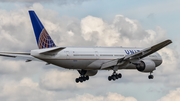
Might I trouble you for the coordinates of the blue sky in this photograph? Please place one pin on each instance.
(159, 18)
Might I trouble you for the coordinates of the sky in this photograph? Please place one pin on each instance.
(109, 23)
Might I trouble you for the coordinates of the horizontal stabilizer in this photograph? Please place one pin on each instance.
(20, 55)
(5, 55)
(53, 50)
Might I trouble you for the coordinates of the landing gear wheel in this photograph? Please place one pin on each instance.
(77, 80)
(150, 76)
(114, 76)
(84, 78)
(87, 77)
(81, 80)
(119, 75)
(109, 78)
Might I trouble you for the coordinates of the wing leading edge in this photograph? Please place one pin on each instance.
(139, 55)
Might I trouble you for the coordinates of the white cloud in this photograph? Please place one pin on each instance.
(28, 90)
(95, 29)
(70, 33)
(108, 97)
(170, 60)
(55, 79)
(19, 91)
(121, 32)
(172, 96)
(8, 66)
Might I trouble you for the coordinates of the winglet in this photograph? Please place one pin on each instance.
(42, 37)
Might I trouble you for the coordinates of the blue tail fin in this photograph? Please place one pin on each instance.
(42, 37)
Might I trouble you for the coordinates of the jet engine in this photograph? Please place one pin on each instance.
(91, 72)
(146, 66)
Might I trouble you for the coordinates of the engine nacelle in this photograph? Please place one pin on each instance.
(91, 72)
(146, 66)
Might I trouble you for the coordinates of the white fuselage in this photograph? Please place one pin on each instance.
(90, 58)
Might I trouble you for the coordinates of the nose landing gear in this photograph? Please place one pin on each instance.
(150, 76)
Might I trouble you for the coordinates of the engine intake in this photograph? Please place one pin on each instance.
(146, 66)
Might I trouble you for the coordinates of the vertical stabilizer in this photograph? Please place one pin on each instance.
(42, 37)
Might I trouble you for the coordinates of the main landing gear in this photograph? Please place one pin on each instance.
(150, 76)
(82, 77)
(114, 76)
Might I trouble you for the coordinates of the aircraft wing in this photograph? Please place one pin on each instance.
(139, 55)
(20, 55)
(27, 55)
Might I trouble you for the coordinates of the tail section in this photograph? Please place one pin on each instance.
(42, 37)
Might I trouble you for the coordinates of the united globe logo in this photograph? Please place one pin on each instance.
(45, 40)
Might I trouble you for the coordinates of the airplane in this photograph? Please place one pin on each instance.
(89, 60)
